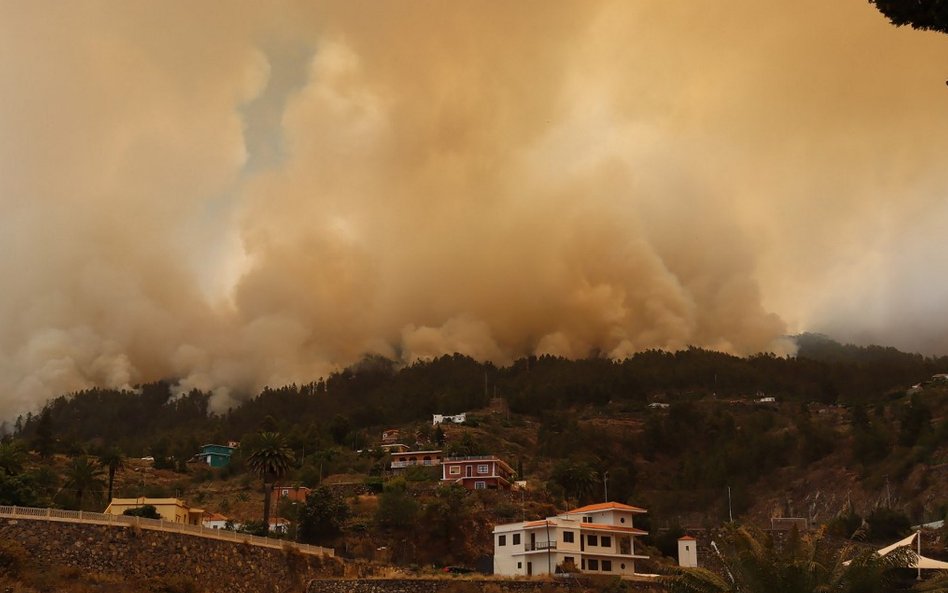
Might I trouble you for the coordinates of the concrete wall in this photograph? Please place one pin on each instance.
(216, 566)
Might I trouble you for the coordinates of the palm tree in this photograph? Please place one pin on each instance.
(112, 459)
(803, 564)
(83, 476)
(270, 460)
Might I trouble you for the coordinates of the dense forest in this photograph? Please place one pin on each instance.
(377, 392)
(683, 433)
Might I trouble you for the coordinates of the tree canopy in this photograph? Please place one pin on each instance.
(270, 460)
(927, 15)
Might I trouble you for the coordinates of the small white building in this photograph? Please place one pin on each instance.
(456, 419)
(594, 539)
(687, 551)
(215, 521)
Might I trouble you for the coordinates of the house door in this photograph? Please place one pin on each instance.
(533, 541)
(529, 568)
(469, 471)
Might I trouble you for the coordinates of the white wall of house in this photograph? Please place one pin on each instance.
(600, 544)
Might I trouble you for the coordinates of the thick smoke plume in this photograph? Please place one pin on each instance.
(242, 195)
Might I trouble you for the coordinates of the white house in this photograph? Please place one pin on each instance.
(594, 539)
(457, 418)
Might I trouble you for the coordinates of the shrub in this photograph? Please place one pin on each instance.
(13, 558)
(173, 584)
(886, 523)
(148, 512)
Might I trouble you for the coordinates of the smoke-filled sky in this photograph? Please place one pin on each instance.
(237, 194)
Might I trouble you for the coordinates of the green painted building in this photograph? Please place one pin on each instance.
(215, 455)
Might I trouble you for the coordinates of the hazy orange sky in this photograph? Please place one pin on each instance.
(235, 195)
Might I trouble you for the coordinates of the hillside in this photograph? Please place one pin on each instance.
(843, 435)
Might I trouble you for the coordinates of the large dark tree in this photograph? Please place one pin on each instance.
(322, 517)
(45, 438)
(270, 460)
(113, 460)
(929, 15)
(83, 475)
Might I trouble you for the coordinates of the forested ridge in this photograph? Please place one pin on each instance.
(840, 413)
(376, 392)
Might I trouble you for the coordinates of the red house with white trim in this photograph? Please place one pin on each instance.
(481, 472)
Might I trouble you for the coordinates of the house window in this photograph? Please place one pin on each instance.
(483, 468)
(583, 564)
(516, 539)
(623, 566)
(592, 540)
(480, 485)
(567, 537)
(686, 548)
(520, 565)
(427, 460)
(621, 519)
(501, 540)
(587, 519)
(607, 566)
(605, 541)
(285, 492)
(455, 469)
(592, 564)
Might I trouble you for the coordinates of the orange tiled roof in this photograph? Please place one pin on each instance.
(539, 523)
(607, 506)
(686, 538)
(604, 527)
(214, 517)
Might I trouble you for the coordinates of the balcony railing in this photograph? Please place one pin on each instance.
(534, 546)
(423, 463)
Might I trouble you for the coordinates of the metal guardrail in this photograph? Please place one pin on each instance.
(90, 518)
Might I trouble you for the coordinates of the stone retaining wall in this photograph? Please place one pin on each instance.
(215, 566)
(456, 586)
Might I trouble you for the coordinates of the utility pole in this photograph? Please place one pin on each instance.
(605, 486)
(918, 557)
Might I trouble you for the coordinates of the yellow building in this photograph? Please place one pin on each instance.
(170, 509)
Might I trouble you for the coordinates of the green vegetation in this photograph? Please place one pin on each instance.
(919, 14)
(269, 460)
(322, 517)
(752, 562)
(146, 512)
(83, 476)
(842, 422)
